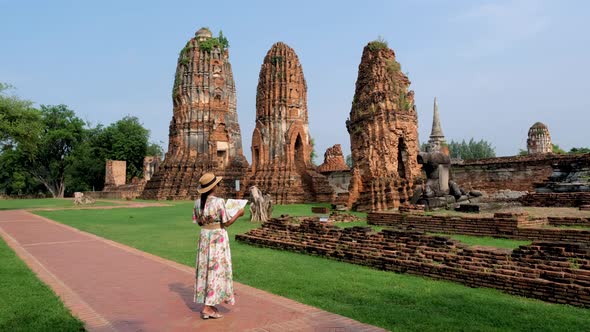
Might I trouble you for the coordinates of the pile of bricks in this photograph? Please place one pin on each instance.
(502, 225)
(552, 271)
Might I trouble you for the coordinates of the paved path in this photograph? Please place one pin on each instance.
(112, 287)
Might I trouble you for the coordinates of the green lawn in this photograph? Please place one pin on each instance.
(393, 301)
(486, 241)
(14, 204)
(27, 304)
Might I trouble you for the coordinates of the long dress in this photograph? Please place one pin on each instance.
(214, 281)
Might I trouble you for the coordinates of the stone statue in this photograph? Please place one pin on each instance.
(261, 206)
(438, 190)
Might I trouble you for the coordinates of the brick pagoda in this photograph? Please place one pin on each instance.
(383, 132)
(204, 131)
(281, 143)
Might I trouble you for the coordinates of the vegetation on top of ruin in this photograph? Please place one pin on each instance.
(377, 44)
(219, 42)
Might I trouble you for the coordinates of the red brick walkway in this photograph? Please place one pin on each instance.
(112, 287)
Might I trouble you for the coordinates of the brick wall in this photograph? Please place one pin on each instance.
(503, 225)
(574, 199)
(551, 271)
(518, 173)
(569, 221)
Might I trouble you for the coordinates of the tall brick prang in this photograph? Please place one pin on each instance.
(281, 143)
(204, 131)
(383, 131)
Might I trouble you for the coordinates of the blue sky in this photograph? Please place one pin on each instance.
(496, 67)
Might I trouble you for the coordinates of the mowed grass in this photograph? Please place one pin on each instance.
(396, 302)
(27, 304)
(487, 241)
(60, 203)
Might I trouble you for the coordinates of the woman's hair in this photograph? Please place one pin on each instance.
(204, 197)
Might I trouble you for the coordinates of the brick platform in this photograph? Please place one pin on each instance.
(112, 287)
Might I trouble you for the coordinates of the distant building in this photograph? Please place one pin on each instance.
(539, 140)
(437, 138)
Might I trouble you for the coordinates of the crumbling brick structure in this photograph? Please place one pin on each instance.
(204, 131)
(338, 173)
(501, 225)
(383, 132)
(551, 271)
(281, 143)
(539, 139)
(538, 172)
(115, 173)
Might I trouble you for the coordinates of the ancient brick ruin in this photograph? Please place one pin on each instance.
(204, 130)
(383, 132)
(115, 173)
(281, 143)
(502, 225)
(539, 140)
(551, 271)
(524, 173)
(333, 160)
(338, 173)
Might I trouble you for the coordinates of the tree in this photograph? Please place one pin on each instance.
(127, 140)
(471, 150)
(579, 150)
(349, 161)
(50, 155)
(556, 149)
(20, 123)
(312, 154)
(86, 172)
(154, 149)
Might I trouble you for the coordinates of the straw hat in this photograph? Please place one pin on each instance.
(207, 182)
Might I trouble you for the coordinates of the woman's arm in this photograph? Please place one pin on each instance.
(232, 220)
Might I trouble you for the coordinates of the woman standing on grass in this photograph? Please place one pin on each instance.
(214, 281)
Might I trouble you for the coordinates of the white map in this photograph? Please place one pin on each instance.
(232, 206)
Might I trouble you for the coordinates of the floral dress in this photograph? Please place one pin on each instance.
(214, 281)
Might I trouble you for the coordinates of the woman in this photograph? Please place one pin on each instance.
(214, 282)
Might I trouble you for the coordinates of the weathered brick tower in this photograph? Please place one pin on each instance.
(281, 144)
(204, 131)
(383, 132)
(539, 139)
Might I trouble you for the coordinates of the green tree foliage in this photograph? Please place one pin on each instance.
(312, 154)
(579, 150)
(127, 140)
(155, 149)
(19, 121)
(47, 160)
(349, 161)
(471, 150)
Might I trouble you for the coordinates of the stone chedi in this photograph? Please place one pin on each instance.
(437, 138)
(539, 140)
(281, 143)
(204, 131)
(383, 132)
